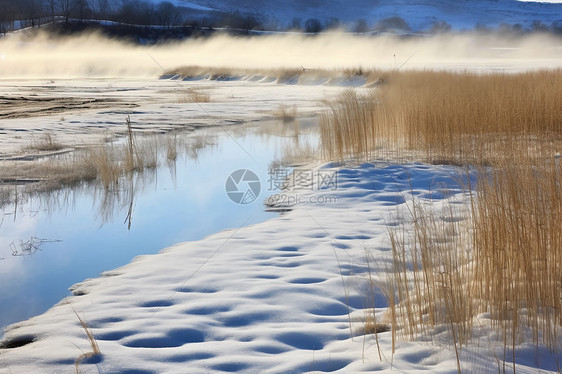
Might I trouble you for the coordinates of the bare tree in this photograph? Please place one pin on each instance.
(82, 9)
(296, 24)
(439, 27)
(167, 14)
(52, 5)
(66, 8)
(539, 26)
(333, 23)
(313, 25)
(32, 10)
(393, 24)
(555, 27)
(7, 16)
(99, 8)
(137, 12)
(104, 8)
(144, 12)
(250, 22)
(361, 26)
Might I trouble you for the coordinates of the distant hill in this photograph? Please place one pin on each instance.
(419, 14)
(397, 16)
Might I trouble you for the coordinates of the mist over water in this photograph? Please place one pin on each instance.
(93, 56)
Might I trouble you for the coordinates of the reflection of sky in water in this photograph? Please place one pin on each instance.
(167, 210)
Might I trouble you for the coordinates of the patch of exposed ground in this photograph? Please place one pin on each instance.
(34, 105)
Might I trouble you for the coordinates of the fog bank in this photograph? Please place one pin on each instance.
(92, 56)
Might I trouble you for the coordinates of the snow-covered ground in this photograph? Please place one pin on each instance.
(273, 297)
(155, 106)
(283, 296)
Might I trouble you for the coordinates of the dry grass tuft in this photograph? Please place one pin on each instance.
(347, 127)
(46, 144)
(298, 153)
(6, 195)
(93, 343)
(103, 162)
(372, 327)
(108, 165)
(194, 95)
(287, 113)
(172, 148)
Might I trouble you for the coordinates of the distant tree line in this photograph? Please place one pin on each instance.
(15, 14)
(399, 25)
(32, 13)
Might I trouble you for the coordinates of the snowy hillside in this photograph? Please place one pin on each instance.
(418, 13)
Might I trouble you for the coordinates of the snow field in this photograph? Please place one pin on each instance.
(273, 297)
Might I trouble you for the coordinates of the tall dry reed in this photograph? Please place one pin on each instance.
(510, 264)
(427, 278)
(458, 117)
(517, 249)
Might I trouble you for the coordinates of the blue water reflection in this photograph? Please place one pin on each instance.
(177, 202)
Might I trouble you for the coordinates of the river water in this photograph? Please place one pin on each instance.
(51, 241)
